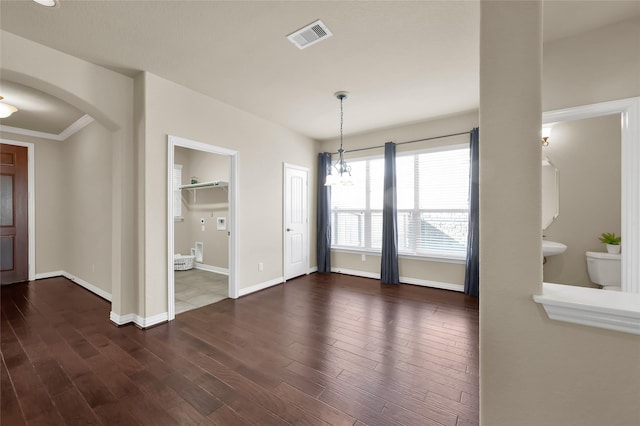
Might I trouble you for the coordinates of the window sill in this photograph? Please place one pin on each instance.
(592, 307)
(432, 258)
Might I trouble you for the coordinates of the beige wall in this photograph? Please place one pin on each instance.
(422, 270)
(50, 225)
(209, 204)
(535, 371)
(73, 204)
(108, 97)
(262, 148)
(601, 65)
(587, 153)
(86, 160)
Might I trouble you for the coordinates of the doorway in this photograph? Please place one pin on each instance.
(201, 217)
(17, 218)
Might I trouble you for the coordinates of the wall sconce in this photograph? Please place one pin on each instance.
(546, 133)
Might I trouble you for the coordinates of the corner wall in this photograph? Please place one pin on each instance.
(535, 371)
(262, 148)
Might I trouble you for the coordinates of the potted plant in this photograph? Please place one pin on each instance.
(612, 242)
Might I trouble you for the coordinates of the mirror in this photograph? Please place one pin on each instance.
(550, 193)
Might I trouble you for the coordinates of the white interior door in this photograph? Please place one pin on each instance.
(296, 221)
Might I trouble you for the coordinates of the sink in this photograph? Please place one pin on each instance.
(552, 248)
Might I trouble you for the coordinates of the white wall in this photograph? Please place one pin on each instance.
(421, 270)
(262, 148)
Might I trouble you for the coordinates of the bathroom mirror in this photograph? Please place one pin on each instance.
(550, 193)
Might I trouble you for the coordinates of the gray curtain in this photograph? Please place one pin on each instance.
(323, 237)
(389, 273)
(472, 272)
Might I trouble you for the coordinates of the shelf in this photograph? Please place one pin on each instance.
(203, 185)
(193, 187)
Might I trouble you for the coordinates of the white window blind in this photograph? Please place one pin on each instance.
(177, 192)
(432, 201)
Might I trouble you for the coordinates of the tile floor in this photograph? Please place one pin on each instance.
(195, 288)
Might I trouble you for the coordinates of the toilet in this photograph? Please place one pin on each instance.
(605, 269)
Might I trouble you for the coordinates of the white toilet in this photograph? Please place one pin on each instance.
(605, 269)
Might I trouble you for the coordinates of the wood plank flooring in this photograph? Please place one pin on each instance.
(318, 350)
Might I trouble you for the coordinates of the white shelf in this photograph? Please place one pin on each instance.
(202, 185)
(193, 187)
(611, 310)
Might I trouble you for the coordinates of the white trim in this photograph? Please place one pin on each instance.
(374, 275)
(611, 310)
(312, 270)
(427, 258)
(629, 109)
(82, 283)
(261, 286)
(432, 284)
(172, 142)
(75, 127)
(403, 280)
(211, 268)
(52, 274)
(31, 202)
(138, 320)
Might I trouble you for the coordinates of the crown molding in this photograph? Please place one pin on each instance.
(75, 127)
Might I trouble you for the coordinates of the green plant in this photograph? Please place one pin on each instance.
(610, 238)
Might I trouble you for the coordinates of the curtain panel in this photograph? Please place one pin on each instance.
(323, 214)
(472, 270)
(389, 273)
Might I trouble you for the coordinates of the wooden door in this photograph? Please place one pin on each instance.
(14, 198)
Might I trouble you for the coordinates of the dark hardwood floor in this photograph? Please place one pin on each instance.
(321, 349)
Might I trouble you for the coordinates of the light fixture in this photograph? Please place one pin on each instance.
(546, 133)
(47, 3)
(5, 109)
(343, 176)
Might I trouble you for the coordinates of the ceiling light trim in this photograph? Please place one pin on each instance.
(310, 35)
(75, 127)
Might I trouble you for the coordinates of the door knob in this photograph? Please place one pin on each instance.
(289, 229)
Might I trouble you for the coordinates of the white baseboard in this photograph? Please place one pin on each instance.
(211, 268)
(138, 320)
(92, 288)
(261, 286)
(432, 284)
(374, 275)
(403, 280)
(52, 274)
(312, 270)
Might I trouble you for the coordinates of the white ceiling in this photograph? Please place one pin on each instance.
(402, 61)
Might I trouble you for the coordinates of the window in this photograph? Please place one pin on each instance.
(177, 192)
(433, 204)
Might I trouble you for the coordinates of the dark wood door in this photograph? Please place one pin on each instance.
(14, 232)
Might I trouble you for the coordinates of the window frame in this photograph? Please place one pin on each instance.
(368, 212)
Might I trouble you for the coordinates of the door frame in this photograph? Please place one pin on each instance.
(31, 203)
(176, 141)
(286, 166)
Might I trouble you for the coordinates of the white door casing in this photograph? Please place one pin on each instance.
(296, 221)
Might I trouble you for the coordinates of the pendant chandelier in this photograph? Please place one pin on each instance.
(343, 170)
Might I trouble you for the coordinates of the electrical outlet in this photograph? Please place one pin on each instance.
(364, 257)
(260, 266)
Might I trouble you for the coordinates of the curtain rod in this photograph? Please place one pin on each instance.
(403, 143)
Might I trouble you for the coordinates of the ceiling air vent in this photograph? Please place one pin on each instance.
(310, 34)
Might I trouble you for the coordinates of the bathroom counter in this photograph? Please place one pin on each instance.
(612, 310)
